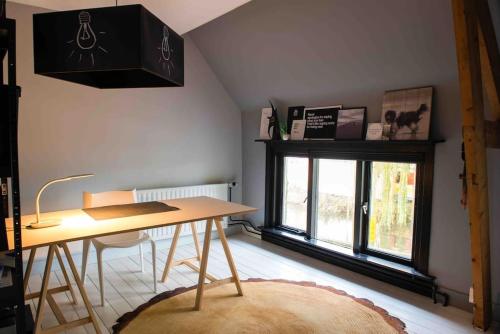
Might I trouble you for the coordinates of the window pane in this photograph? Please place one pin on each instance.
(335, 201)
(392, 206)
(295, 192)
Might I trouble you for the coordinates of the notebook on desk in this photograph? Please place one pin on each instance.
(128, 210)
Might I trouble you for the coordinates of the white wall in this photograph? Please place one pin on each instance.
(127, 137)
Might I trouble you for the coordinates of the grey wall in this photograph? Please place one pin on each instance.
(326, 52)
(128, 138)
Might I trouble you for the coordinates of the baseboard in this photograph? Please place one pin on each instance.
(461, 300)
(457, 299)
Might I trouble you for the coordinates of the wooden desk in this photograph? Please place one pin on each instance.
(77, 225)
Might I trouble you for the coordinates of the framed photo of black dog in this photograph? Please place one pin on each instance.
(406, 113)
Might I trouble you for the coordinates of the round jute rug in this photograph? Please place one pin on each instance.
(268, 306)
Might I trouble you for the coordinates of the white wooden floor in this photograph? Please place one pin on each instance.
(127, 288)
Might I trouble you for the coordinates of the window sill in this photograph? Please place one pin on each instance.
(391, 272)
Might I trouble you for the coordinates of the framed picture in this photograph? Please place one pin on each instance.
(298, 129)
(266, 124)
(321, 122)
(294, 114)
(351, 123)
(406, 113)
(374, 131)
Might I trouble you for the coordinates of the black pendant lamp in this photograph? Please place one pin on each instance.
(110, 47)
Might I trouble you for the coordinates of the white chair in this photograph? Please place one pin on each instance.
(123, 240)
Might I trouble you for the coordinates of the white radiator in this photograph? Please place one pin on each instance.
(218, 191)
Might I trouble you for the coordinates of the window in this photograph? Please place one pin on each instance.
(367, 206)
(295, 187)
(362, 205)
(335, 201)
(392, 203)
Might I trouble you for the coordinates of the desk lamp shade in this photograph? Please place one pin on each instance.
(110, 47)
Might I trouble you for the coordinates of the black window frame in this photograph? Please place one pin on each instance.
(279, 194)
(363, 192)
(365, 223)
(364, 152)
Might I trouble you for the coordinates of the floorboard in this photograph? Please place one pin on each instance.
(126, 287)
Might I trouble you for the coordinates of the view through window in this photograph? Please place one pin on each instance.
(295, 192)
(336, 191)
(392, 202)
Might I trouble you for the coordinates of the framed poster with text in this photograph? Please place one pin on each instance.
(321, 122)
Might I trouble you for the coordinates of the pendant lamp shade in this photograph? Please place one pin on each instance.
(110, 47)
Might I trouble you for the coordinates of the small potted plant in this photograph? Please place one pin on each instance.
(283, 132)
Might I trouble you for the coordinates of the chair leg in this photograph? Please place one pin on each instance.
(153, 252)
(141, 255)
(99, 270)
(195, 240)
(171, 252)
(85, 255)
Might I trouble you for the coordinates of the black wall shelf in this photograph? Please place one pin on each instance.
(415, 150)
(365, 143)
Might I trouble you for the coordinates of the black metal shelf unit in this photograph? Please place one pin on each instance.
(13, 296)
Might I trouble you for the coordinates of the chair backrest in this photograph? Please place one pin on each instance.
(91, 200)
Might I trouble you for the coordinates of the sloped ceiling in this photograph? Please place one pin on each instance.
(180, 15)
(335, 51)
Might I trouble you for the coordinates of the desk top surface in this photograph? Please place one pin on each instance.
(77, 225)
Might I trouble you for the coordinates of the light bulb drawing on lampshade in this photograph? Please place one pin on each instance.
(165, 46)
(86, 40)
(166, 51)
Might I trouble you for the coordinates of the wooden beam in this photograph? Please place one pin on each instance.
(490, 57)
(471, 98)
(488, 80)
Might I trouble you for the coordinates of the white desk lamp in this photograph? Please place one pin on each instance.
(51, 222)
